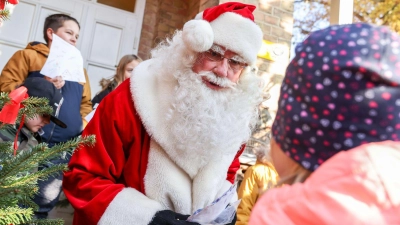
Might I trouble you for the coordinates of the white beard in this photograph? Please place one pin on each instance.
(208, 124)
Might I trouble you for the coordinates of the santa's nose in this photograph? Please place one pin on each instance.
(221, 68)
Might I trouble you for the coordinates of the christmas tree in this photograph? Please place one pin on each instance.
(4, 13)
(18, 170)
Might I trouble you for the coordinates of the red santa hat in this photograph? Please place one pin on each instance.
(230, 25)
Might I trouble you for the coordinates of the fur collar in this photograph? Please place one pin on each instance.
(152, 93)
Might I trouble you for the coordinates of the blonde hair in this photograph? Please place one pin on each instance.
(119, 77)
(263, 156)
(299, 176)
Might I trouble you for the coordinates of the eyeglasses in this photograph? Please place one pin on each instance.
(217, 57)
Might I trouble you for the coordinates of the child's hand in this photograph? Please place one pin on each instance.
(57, 81)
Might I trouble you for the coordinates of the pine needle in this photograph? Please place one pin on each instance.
(34, 106)
(4, 15)
(40, 154)
(47, 222)
(4, 98)
(15, 215)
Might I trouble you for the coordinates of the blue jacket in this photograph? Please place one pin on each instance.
(76, 105)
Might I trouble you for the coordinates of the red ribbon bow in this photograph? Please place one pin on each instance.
(3, 3)
(9, 113)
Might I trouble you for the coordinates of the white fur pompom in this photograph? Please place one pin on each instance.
(198, 35)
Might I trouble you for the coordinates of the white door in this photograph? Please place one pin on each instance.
(106, 33)
(26, 24)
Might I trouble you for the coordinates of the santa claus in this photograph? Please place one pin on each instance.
(168, 139)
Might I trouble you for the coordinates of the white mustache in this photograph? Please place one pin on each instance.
(220, 81)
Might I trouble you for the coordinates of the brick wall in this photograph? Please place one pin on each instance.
(149, 28)
(193, 9)
(204, 4)
(199, 6)
(275, 18)
(163, 17)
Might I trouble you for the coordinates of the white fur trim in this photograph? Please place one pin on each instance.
(130, 207)
(166, 182)
(176, 183)
(198, 35)
(174, 189)
(210, 180)
(238, 34)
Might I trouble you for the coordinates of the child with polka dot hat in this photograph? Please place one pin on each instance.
(336, 134)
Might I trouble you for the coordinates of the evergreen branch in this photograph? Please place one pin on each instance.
(35, 101)
(40, 154)
(34, 106)
(33, 177)
(75, 143)
(6, 151)
(8, 202)
(4, 15)
(12, 195)
(23, 162)
(4, 98)
(15, 215)
(27, 202)
(22, 197)
(41, 174)
(46, 222)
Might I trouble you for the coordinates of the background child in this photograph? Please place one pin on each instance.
(337, 130)
(257, 179)
(28, 136)
(124, 70)
(28, 63)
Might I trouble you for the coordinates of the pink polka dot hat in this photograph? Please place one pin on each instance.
(340, 91)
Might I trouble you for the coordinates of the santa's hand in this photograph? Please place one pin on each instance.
(168, 217)
(58, 81)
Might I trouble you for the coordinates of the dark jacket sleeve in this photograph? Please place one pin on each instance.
(97, 99)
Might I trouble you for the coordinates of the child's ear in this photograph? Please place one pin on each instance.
(49, 33)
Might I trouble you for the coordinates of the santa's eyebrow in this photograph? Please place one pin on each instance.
(238, 59)
(217, 49)
(220, 50)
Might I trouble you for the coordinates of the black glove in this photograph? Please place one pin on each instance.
(168, 217)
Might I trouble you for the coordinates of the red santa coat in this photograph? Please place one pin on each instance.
(106, 183)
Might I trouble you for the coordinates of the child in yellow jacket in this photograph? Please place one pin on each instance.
(257, 179)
